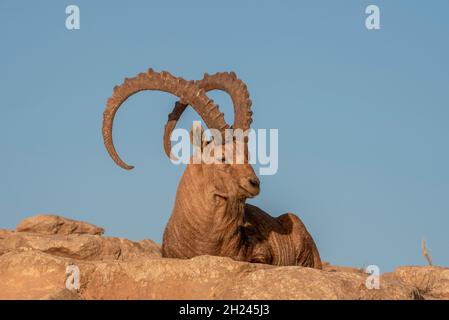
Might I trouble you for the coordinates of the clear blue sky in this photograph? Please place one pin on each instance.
(362, 115)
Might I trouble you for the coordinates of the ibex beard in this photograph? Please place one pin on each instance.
(210, 214)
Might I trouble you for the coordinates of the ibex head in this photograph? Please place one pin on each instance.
(227, 169)
(231, 178)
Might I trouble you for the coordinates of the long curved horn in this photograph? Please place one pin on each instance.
(224, 81)
(188, 92)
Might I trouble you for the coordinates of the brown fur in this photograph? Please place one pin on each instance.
(210, 217)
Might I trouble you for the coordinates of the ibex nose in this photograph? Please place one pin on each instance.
(255, 182)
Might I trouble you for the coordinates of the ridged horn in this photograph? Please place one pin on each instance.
(187, 91)
(224, 81)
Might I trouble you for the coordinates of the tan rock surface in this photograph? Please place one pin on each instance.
(53, 224)
(431, 281)
(306, 283)
(81, 247)
(34, 266)
(333, 268)
(37, 275)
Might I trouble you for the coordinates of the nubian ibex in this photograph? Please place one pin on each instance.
(210, 216)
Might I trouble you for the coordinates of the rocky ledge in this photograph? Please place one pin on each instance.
(38, 258)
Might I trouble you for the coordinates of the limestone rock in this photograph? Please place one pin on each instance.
(5, 232)
(80, 247)
(34, 261)
(332, 268)
(37, 275)
(198, 278)
(30, 275)
(431, 281)
(305, 283)
(53, 224)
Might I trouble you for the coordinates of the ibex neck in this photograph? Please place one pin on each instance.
(204, 223)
